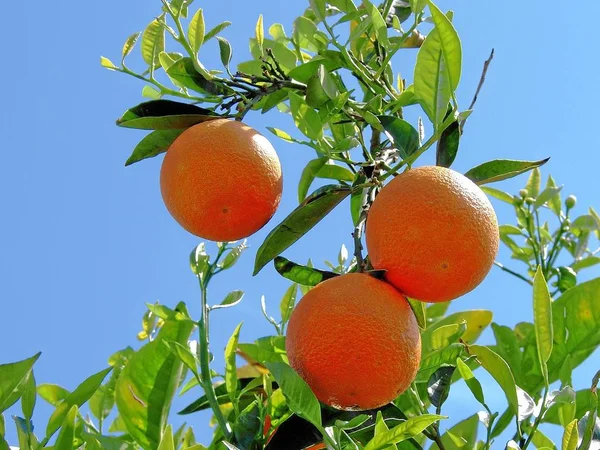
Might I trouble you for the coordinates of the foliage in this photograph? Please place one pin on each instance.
(333, 74)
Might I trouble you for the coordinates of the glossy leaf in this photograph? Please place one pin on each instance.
(450, 45)
(306, 119)
(299, 222)
(306, 276)
(148, 382)
(308, 176)
(129, 45)
(378, 22)
(433, 360)
(438, 386)
(501, 169)
(78, 397)
(152, 145)
(164, 115)
(542, 314)
(406, 430)
(300, 398)
(230, 365)
(247, 426)
(476, 320)
(233, 256)
(500, 371)
(402, 134)
(186, 73)
(231, 299)
(447, 146)
(13, 379)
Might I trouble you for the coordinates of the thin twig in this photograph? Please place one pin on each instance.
(486, 65)
(518, 275)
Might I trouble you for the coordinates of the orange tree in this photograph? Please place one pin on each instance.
(334, 75)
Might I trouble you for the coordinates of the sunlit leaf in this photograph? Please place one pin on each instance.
(13, 379)
(542, 319)
(501, 169)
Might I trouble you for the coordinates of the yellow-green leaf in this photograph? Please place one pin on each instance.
(196, 31)
(570, 436)
(542, 311)
(230, 365)
(260, 33)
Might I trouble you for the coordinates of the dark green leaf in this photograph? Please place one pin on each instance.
(403, 135)
(299, 222)
(567, 278)
(447, 146)
(147, 385)
(306, 276)
(501, 169)
(247, 426)
(164, 115)
(13, 379)
(300, 398)
(153, 145)
(438, 386)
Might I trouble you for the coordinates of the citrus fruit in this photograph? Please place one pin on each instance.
(434, 231)
(221, 180)
(355, 341)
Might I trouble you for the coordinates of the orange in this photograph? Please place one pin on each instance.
(434, 231)
(355, 341)
(221, 180)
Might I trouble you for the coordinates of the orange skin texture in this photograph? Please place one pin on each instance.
(355, 341)
(221, 180)
(434, 231)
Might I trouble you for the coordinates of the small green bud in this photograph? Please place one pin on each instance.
(523, 193)
(530, 200)
(566, 228)
(566, 222)
(570, 201)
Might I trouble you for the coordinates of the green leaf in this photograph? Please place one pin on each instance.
(231, 299)
(247, 426)
(300, 398)
(585, 263)
(260, 33)
(308, 176)
(447, 146)
(129, 45)
(461, 436)
(186, 73)
(472, 383)
(497, 193)
(153, 145)
(64, 441)
(148, 382)
(225, 51)
(107, 63)
(570, 436)
(306, 119)
(402, 134)
(450, 45)
(501, 169)
(547, 196)
(299, 222)
(438, 386)
(443, 336)
(78, 397)
(216, 30)
(304, 72)
(13, 380)
(433, 360)
(476, 320)
(500, 371)
(534, 182)
(542, 320)
(286, 306)
(264, 350)
(406, 430)
(196, 31)
(164, 115)
(420, 311)
(153, 42)
(233, 256)
(151, 92)
(378, 22)
(567, 278)
(306, 276)
(28, 397)
(52, 393)
(167, 442)
(230, 365)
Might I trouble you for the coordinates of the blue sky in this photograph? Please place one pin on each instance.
(86, 242)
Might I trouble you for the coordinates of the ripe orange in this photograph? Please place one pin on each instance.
(355, 341)
(434, 231)
(221, 180)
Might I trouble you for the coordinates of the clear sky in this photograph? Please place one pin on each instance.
(86, 242)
